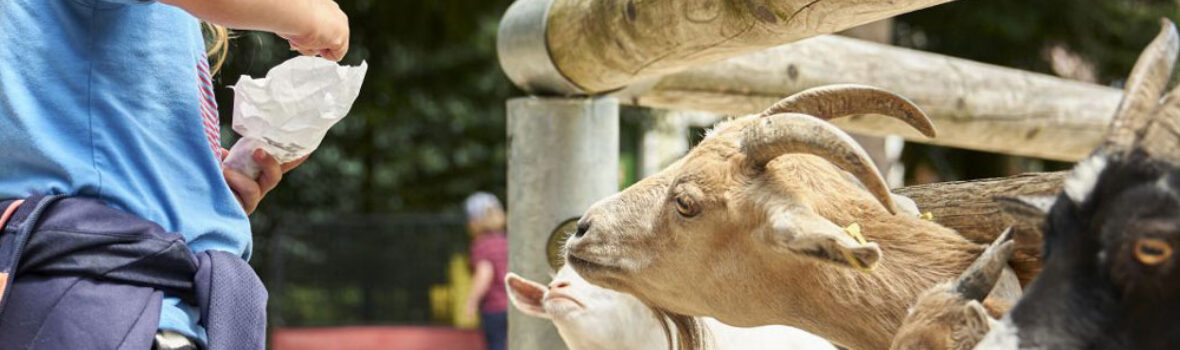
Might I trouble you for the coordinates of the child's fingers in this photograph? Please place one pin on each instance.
(339, 50)
(336, 52)
(295, 163)
(295, 41)
(333, 50)
(307, 52)
(241, 202)
(271, 173)
(246, 190)
(304, 48)
(331, 55)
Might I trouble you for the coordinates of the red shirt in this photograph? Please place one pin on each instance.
(493, 248)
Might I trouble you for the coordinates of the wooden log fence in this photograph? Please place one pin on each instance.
(596, 46)
(974, 105)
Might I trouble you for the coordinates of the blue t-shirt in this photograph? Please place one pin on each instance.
(111, 99)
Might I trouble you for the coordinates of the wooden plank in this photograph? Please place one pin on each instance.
(974, 105)
(968, 207)
(602, 45)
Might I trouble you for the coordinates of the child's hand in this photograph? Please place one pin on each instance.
(250, 192)
(326, 35)
(313, 27)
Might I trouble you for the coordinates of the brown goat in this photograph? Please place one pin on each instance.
(955, 315)
(749, 228)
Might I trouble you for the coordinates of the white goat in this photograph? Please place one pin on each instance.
(590, 317)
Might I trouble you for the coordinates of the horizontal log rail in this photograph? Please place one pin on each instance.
(569, 47)
(974, 105)
(969, 208)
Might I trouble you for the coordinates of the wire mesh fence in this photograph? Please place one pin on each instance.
(365, 269)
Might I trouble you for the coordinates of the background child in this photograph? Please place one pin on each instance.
(489, 260)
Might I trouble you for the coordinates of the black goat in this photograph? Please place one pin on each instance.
(1110, 278)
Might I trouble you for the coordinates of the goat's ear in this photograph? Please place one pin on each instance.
(802, 231)
(1030, 210)
(1084, 177)
(975, 317)
(971, 326)
(526, 295)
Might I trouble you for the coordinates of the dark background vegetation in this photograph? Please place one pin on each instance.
(356, 234)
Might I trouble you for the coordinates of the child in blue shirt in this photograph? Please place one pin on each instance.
(112, 99)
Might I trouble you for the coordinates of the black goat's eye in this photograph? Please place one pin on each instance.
(1152, 251)
(685, 207)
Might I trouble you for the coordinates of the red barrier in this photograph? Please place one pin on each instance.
(376, 338)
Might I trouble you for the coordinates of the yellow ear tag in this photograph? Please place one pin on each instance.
(854, 231)
(928, 216)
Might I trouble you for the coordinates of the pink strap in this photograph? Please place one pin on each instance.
(8, 212)
(4, 220)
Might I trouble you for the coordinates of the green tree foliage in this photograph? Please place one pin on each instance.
(1016, 33)
(1108, 34)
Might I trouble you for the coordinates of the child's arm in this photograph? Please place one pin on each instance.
(481, 281)
(311, 26)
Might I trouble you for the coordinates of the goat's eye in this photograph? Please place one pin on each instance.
(685, 207)
(1152, 251)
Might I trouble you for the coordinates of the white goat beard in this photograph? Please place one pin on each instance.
(1083, 178)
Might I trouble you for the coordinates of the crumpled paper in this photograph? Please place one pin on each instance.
(289, 112)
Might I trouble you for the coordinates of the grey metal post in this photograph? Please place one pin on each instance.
(563, 155)
(667, 139)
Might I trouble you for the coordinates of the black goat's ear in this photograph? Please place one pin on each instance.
(1030, 210)
(1084, 176)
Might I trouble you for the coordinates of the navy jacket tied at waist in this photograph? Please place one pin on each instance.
(82, 275)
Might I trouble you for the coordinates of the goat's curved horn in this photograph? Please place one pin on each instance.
(775, 135)
(978, 280)
(834, 101)
(1144, 86)
(1162, 137)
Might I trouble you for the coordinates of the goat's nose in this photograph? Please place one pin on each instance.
(555, 285)
(583, 226)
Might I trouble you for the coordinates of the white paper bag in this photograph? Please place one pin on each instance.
(288, 112)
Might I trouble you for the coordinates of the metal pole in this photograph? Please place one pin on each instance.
(563, 155)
